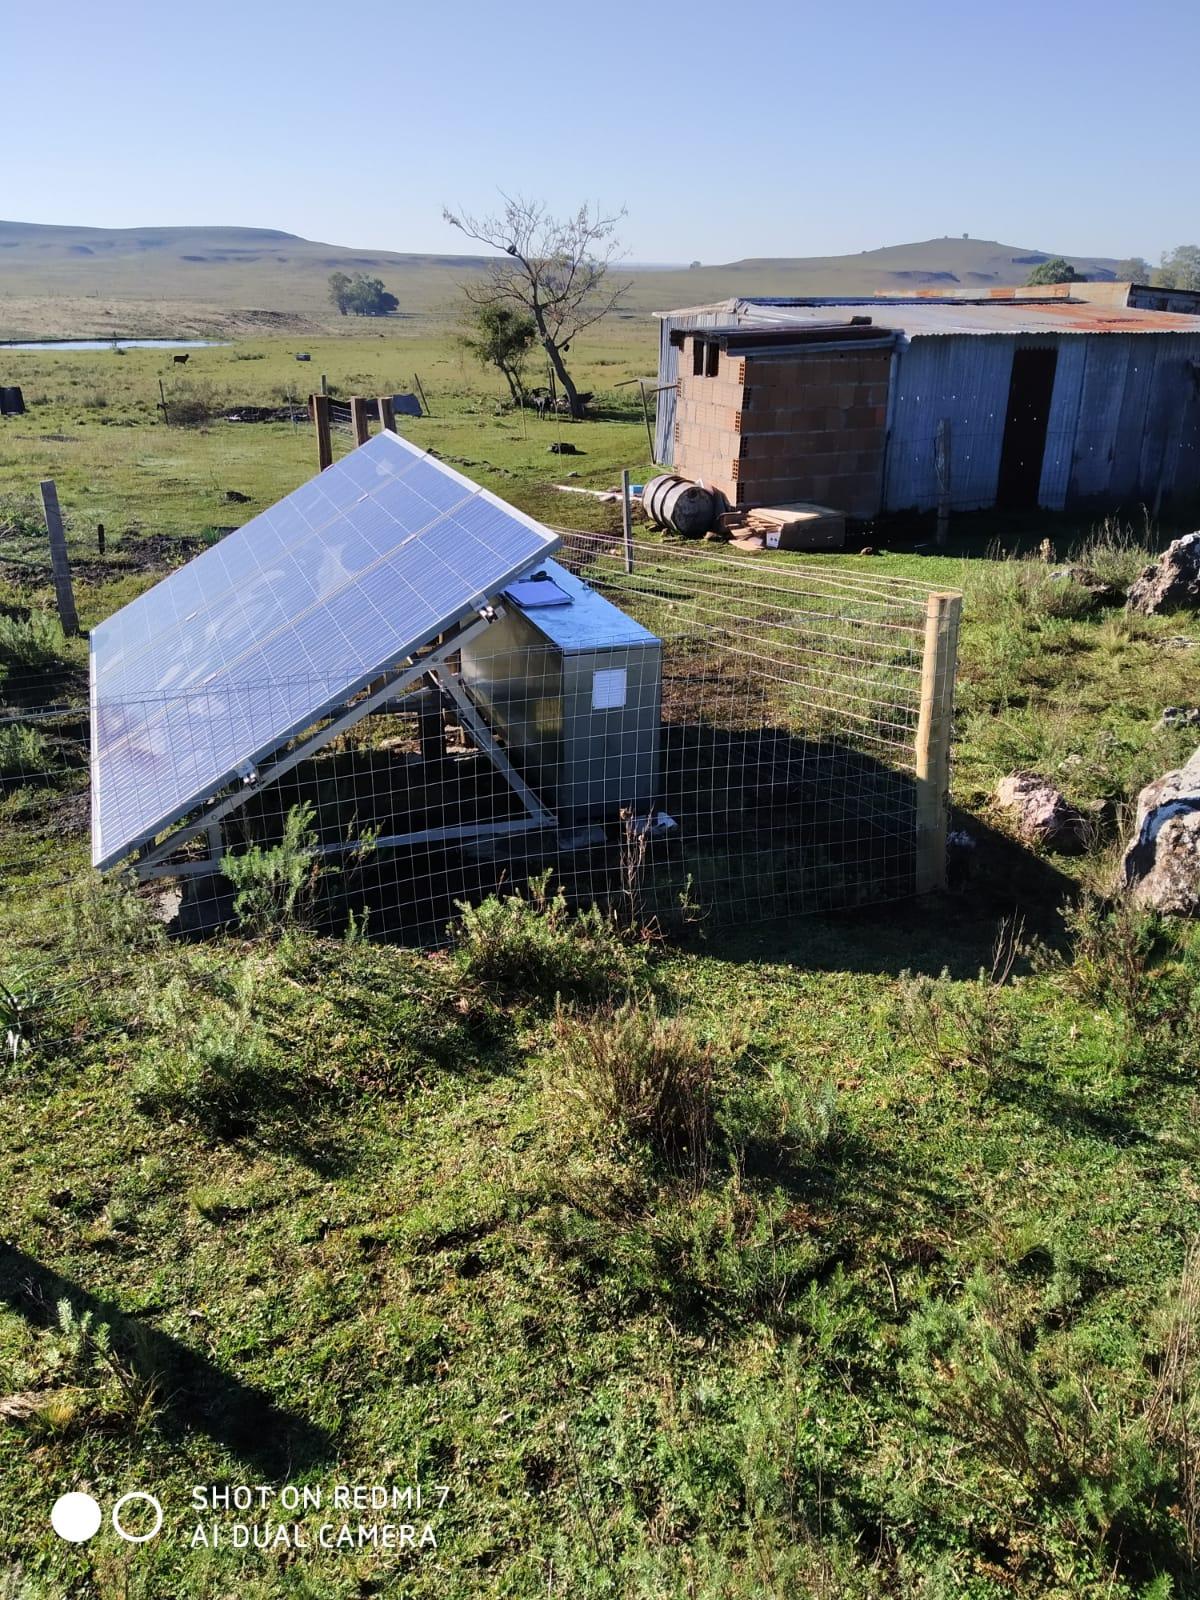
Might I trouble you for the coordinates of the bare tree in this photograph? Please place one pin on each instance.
(555, 269)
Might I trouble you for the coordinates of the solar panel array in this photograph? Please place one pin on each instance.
(251, 642)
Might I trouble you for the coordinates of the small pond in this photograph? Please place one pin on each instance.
(108, 344)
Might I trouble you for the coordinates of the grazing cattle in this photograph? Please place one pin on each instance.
(564, 405)
(179, 360)
(544, 402)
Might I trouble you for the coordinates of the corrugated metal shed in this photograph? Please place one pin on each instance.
(1124, 420)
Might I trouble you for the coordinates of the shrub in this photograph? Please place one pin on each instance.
(782, 1116)
(645, 1078)
(1015, 589)
(19, 1006)
(1131, 960)
(189, 404)
(277, 886)
(20, 517)
(205, 1061)
(953, 1024)
(1050, 1436)
(534, 944)
(22, 752)
(1116, 552)
(33, 643)
(106, 914)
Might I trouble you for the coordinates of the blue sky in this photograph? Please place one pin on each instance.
(756, 128)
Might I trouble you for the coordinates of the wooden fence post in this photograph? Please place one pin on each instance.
(387, 413)
(646, 414)
(627, 519)
(59, 564)
(934, 726)
(318, 404)
(358, 419)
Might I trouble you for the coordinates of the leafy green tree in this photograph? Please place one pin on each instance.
(339, 287)
(501, 336)
(1057, 269)
(1134, 269)
(1180, 268)
(367, 297)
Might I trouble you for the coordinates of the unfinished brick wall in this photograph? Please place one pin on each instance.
(767, 430)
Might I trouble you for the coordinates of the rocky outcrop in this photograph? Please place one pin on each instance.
(1042, 814)
(1172, 583)
(1161, 866)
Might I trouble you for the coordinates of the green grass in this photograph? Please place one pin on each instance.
(839, 1258)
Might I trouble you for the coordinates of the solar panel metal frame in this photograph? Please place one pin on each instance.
(406, 645)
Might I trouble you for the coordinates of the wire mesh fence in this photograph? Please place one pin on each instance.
(747, 747)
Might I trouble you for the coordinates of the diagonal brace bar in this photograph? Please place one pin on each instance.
(486, 741)
(341, 724)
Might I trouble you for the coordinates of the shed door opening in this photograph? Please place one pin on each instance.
(1025, 426)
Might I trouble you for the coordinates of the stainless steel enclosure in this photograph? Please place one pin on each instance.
(573, 688)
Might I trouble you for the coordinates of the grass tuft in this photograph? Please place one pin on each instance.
(639, 1077)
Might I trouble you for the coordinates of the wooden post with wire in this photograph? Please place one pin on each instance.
(60, 565)
(358, 419)
(387, 414)
(627, 519)
(421, 392)
(646, 414)
(628, 383)
(318, 405)
(934, 727)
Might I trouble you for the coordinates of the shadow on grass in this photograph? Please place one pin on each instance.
(954, 931)
(195, 1396)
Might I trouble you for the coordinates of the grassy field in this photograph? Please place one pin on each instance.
(851, 1257)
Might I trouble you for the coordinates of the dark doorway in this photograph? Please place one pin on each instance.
(1025, 425)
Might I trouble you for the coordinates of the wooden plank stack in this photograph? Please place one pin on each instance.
(790, 527)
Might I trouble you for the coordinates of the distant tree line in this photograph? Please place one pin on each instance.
(1180, 269)
(360, 296)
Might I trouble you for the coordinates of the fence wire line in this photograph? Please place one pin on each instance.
(754, 758)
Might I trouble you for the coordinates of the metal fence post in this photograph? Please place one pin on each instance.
(627, 519)
(934, 726)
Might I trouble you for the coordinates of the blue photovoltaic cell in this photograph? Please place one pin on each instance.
(225, 660)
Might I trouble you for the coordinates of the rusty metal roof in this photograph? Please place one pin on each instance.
(925, 318)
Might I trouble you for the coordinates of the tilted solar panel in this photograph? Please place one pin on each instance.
(251, 642)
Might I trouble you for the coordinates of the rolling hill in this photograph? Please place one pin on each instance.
(83, 280)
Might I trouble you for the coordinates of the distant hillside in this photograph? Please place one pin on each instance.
(32, 244)
(951, 263)
(221, 269)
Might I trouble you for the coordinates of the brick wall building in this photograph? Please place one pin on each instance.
(769, 419)
(1065, 402)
